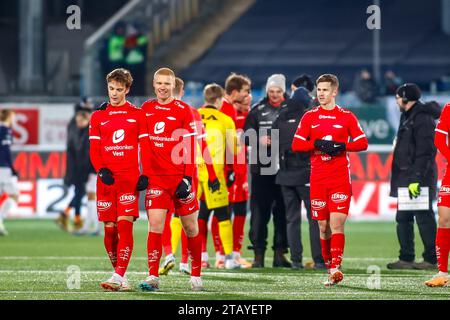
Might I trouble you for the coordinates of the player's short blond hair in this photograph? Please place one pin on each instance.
(164, 72)
(236, 82)
(328, 77)
(120, 75)
(212, 92)
(179, 84)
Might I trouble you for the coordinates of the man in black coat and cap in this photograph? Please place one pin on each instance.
(414, 167)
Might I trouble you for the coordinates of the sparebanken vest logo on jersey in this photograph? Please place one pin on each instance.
(159, 127)
(118, 136)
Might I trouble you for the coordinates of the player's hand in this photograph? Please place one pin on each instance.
(106, 176)
(265, 140)
(330, 147)
(230, 178)
(414, 190)
(142, 183)
(14, 172)
(103, 106)
(184, 188)
(214, 185)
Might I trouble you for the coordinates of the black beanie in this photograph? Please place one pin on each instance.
(409, 91)
(304, 81)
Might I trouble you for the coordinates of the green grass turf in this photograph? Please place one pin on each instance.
(35, 257)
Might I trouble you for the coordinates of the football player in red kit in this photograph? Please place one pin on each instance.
(441, 279)
(329, 132)
(116, 131)
(171, 130)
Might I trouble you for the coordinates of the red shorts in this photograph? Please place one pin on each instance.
(329, 198)
(161, 195)
(238, 192)
(444, 193)
(120, 199)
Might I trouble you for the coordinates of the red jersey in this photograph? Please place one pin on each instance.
(240, 119)
(338, 125)
(168, 125)
(442, 131)
(229, 110)
(114, 135)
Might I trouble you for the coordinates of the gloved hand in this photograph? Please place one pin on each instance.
(142, 183)
(414, 190)
(184, 188)
(103, 106)
(214, 185)
(330, 147)
(106, 176)
(230, 178)
(14, 172)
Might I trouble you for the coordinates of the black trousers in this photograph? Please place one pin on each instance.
(266, 199)
(426, 222)
(80, 192)
(293, 197)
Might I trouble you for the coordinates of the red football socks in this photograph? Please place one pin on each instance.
(125, 245)
(337, 249)
(154, 247)
(203, 232)
(216, 236)
(442, 248)
(238, 232)
(110, 241)
(184, 247)
(195, 252)
(167, 235)
(326, 253)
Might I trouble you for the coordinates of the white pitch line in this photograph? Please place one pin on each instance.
(144, 258)
(245, 275)
(270, 293)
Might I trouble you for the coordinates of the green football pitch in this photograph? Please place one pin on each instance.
(39, 261)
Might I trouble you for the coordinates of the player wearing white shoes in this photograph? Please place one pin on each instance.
(329, 132)
(9, 190)
(117, 135)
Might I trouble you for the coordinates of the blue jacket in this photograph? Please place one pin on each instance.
(5, 146)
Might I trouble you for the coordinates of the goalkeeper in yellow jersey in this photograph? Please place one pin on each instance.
(222, 144)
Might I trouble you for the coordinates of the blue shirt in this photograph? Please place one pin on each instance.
(5, 146)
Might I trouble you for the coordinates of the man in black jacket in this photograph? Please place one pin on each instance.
(266, 197)
(79, 173)
(414, 167)
(293, 176)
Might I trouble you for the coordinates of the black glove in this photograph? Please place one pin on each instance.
(230, 178)
(103, 106)
(142, 183)
(332, 148)
(184, 188)
(14, 172)
(214, 185)
(106, 176)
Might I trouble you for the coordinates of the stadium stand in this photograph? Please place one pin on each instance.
(292, 37)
